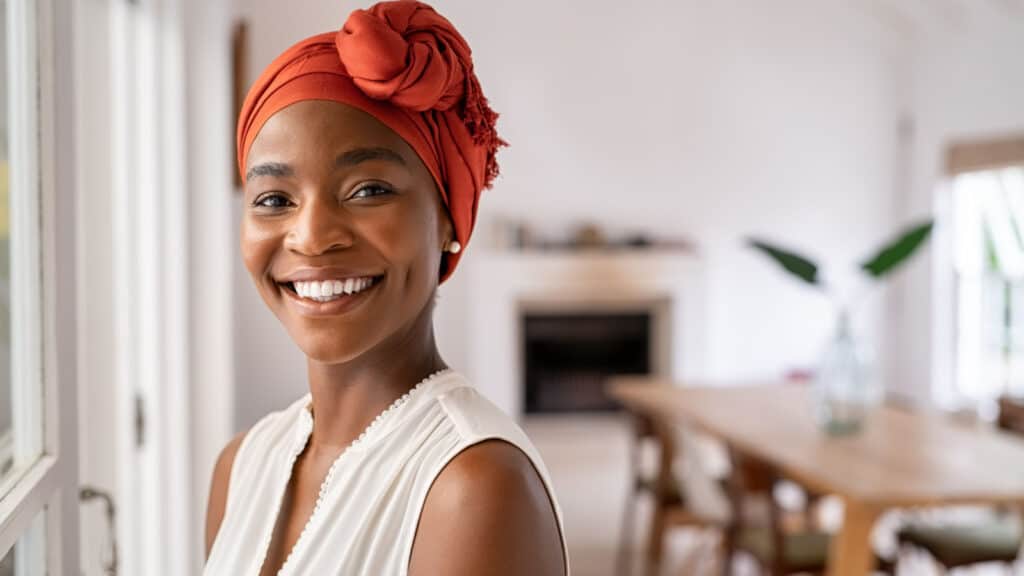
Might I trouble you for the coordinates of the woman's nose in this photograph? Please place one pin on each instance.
(319, 226)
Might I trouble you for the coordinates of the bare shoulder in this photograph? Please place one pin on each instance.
(488, 512)
(219, 489)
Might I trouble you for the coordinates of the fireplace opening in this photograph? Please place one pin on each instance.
(567, 358)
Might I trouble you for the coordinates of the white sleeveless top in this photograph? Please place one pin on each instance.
(369, 505)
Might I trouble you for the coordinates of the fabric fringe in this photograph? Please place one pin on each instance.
(481, 122)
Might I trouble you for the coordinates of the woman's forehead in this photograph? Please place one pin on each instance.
(322, 127)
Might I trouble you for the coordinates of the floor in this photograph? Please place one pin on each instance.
(587, 458)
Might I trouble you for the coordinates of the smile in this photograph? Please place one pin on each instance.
(328, 290)
(328, 297)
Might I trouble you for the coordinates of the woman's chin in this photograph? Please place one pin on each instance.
(331, 350)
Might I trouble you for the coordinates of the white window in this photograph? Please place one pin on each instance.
(988, 258)
(38, 488)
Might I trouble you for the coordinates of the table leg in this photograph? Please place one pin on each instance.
(851, 553)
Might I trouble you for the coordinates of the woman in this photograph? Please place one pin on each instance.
(364, 153)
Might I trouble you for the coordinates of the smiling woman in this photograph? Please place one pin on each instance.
(335, 196)
(364, 153)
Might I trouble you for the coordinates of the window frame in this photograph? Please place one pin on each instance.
(42, 120)
(961, 156)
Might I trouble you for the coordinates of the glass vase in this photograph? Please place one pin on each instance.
(843, 392)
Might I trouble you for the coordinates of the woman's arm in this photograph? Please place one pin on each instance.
(488, 512)
(219, 490)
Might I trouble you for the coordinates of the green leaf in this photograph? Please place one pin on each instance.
(890, 256)
(795, 264)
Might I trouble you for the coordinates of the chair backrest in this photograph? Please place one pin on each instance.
(658, 481)
(749, 477)
(1011, 414)
(754, 476)
(754, 479)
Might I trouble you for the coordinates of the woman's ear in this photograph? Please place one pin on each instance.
(445, 233)
(447, 229)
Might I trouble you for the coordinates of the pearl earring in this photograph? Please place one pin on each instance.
(454, 247)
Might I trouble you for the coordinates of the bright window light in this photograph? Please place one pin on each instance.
(988, 254)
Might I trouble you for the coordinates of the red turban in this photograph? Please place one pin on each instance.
(407, 66)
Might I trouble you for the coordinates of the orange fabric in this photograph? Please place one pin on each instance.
(406, 65)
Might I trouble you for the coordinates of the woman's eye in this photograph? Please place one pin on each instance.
(271, 201)
(371, 190)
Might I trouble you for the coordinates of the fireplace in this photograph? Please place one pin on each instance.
(505, 288)
(568, 356)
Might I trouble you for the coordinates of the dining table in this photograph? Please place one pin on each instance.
(899, 457)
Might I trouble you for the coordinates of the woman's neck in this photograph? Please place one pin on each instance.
(347, 397)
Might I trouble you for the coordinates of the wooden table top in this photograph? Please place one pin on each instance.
(900, 458)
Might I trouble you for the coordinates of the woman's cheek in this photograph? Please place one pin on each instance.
(397, 233)
(257, 247)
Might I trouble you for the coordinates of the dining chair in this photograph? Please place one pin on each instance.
(669, 506)
(776, 549)
(998, 539)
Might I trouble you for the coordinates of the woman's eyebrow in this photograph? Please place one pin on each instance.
(358, 155)
(278, 169)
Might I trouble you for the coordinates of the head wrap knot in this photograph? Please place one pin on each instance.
(407, 53)
(406, 65)
(401, 55)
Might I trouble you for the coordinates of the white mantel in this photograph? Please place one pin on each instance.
(668, 283)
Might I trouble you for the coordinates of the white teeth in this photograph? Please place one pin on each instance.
(331, 289)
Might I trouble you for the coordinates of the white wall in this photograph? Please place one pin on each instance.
(967, 84)
(713, 120)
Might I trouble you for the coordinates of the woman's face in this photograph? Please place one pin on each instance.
(342, 229)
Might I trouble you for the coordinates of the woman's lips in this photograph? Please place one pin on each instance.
(340, 305)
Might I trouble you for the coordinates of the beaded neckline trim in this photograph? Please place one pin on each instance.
(398, 403)
(307, 416)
